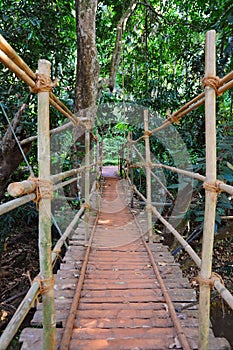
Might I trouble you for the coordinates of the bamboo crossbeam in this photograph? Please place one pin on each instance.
(15, 203)
(222, 186)
(153, 174)
(63, 184)
(62, 176)
(52, 132)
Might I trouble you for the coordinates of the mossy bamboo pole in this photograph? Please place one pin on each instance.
(45, 242)
(148, 176)
(210, 196)
(87, 180)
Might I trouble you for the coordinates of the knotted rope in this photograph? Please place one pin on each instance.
(209, 281)
(44, 189)
(213, 187)
(43, 83)
(45, 284)
(214, 82)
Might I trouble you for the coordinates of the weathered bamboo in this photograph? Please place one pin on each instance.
(19, 188)
(63, 184)
(131, 172)
(153, 174)
(176, 234)
(10, 52)
(45, 241)
(52, 132)
(148, 177)
(210, 197)
(67, 233)
(15, 69)
(15, 203)
(18, 317)
(87, 181)
(72, 172)
(98, 174)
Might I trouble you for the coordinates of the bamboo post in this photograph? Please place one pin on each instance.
(87, 180)
(148, 177)
(210, 197)
(46, 275)
(97, 160)
(131, 169)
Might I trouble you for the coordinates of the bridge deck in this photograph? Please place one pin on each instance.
(121, 305)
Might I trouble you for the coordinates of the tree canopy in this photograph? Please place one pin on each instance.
(149, 52)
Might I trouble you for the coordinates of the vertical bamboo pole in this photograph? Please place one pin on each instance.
(87, 180)
(49, 317)
(210, 197)
(97, 160)
(148, 177)
(131, 163)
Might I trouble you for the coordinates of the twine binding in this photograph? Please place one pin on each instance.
(214, 82)
(43, 83)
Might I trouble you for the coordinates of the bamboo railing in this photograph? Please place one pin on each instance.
(212, 185)
(44, 186)
(27, 188)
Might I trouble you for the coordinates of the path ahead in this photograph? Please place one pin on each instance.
(122, 303)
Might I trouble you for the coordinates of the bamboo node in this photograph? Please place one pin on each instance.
(214, 82)
(44, 189)
(45, 284)
(209, 281)
(213, 187)
(43, 83)
(149, 208)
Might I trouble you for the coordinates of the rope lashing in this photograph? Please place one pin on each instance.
(45, 284)
(209, 281)
(149, 208)
(86, 206)
(214, 82)
(174, 118)
(213, 187)
(147, 133)
(44, 189)
(43, 83)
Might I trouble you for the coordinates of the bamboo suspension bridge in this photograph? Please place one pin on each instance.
(118, 287)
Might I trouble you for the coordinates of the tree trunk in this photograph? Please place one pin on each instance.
(87, 62)
(10, 155)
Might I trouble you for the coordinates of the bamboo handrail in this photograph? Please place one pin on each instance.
(223, 291)
(15, 203)
(52, 132)
(153, 174)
